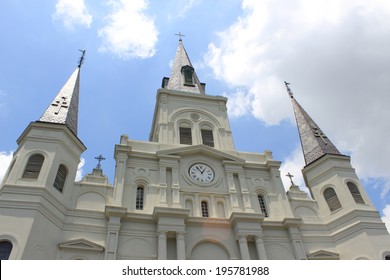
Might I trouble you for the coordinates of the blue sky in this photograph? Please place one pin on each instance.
(334, 54)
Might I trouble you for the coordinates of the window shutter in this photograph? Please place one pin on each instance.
(33, 167)
(139, 201)
(205, 209)
(207, 137)
(185, 135)
(355, 193)
(59, 182)
(332, 199)
(263, 208)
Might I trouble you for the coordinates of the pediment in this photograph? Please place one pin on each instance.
(323, 255)
(201, 149)
(81, 244)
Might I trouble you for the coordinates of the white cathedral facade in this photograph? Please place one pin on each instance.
(187, 193)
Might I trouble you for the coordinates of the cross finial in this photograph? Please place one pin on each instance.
(289, 89)
(290, 176)
(99, 159)
(180, 35)
(81, 58)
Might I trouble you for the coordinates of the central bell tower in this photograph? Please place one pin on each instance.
(184, 114)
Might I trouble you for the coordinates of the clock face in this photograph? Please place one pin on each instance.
(201, 173)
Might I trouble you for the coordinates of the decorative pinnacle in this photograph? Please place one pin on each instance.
(81, 60)
(289, 89)
(180, 35)
(99, 159)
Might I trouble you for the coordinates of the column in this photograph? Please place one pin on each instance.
(113, 227)
(260, 247)
(197, 212)
(232, 192)
(243, 242)
(296, 242)
(213, 212)
(121, 160)
(162, 245)
(292, 225)
(180, 245)
(163, 186)
(175, 188)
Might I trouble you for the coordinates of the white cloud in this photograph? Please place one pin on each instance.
(79, 174)
(72, 13)
(5, 160)
(187, 7)
(129, 32)
(334, 54)
(386, 216)
(239, 103)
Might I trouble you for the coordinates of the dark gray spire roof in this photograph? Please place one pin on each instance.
(314, 142)
(64, 108)
(176, 81)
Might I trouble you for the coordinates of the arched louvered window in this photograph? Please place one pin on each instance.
(332, 199)
(205, 209)
(355, 193)
(188, 73)
(5, 250)
(262, 205)
(185, 134)
(33, 166)
(59, 182)
(139, 200)
(207, 135)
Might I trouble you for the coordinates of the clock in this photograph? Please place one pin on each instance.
(201, 173)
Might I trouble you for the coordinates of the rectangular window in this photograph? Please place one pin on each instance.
(185, 135)
(207, 137)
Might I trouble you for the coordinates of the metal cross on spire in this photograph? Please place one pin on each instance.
(81, 58)
(180, 35)
(290, 176)
(289, 89)
(293, 186)
(99, 159)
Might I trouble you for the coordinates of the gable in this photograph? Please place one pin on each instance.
(323, 255)
(81, 244)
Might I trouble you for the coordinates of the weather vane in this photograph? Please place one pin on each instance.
(99, 159)
(82, 57)
(289, 89)
(180, 35)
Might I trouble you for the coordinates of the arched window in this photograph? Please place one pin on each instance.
(355, 193)
(139, 200)
(5, 250)
(188, 72)
(332, 199)
(33, 166)
(207, 135)
(185, 134)
(205, 209)
(59, 182)
(263, 207)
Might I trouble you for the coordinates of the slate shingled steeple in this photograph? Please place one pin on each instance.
(183, 75)
(315, 143)
(64, 108)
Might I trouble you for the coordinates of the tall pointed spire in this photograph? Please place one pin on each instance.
(183, 75)
(315, 143)
(64, 108)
